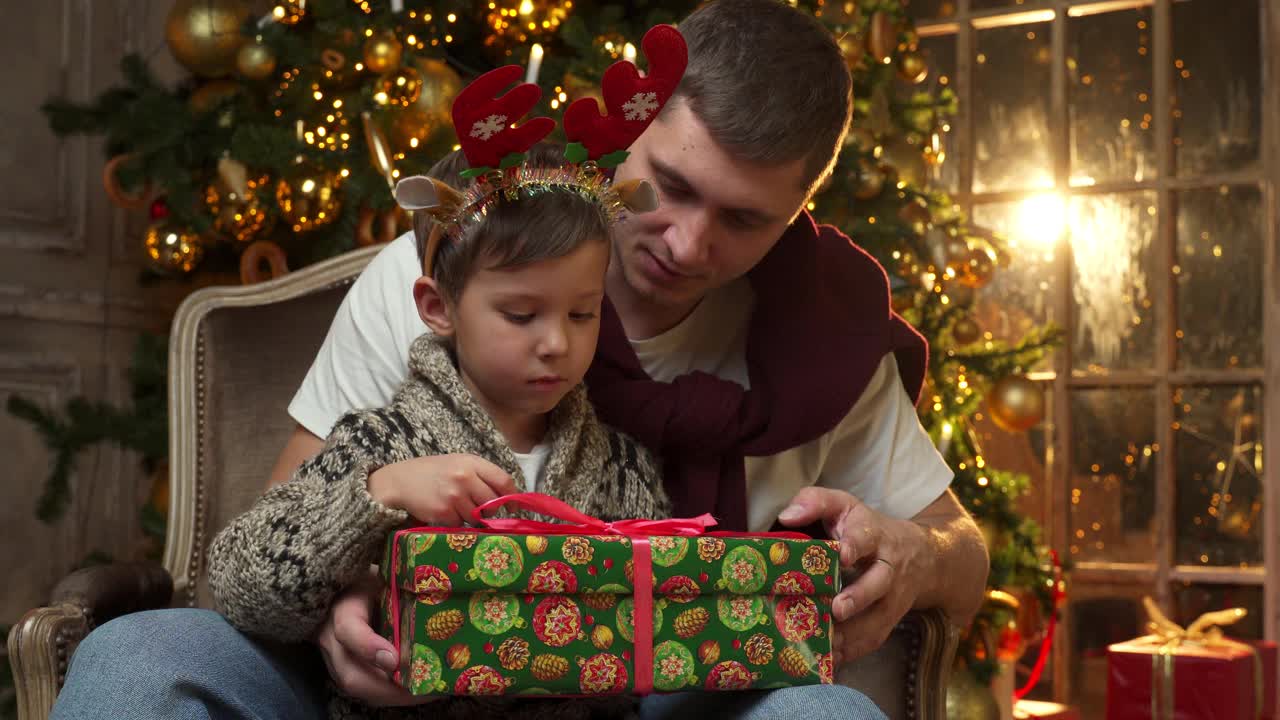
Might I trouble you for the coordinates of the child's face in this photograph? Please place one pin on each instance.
(525, 336)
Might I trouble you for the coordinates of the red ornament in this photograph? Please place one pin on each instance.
(590, 619)
(703, 577)
(488, 647)
(591, 570)
(453, 567)
(159, 209)
(826, 618)
(626, 654)
(608, 563)
(737, 644)
(826, 580)
(528, 599)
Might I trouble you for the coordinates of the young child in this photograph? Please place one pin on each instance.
(513, 281)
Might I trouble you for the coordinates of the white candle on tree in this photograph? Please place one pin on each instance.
(535, 64)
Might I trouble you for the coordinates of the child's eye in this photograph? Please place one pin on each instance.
(582, 316)
(518, 318)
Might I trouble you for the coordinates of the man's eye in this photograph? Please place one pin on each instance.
(518, 318)
(676, 192)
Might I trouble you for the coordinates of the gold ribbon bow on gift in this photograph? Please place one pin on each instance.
(1205, 631)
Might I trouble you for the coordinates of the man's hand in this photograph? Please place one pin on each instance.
(896, 564)
(361, 661)
(440, 489)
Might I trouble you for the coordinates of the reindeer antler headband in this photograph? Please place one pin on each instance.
(496, 146)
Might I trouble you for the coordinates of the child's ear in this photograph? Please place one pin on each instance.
(434, 309)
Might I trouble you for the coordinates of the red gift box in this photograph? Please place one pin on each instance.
(1192, 674)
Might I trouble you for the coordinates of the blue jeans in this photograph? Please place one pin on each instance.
(807, 702)
(183, 664)
(192, 664)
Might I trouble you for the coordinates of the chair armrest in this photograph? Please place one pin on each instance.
(43, 641)
(907, 676)
(109, 591)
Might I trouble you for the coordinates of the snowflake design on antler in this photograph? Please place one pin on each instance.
(490, 126)
(641, 106)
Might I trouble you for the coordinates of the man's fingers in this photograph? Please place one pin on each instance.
(862, 634)
(859, 532)
(816, 503)
(872, 585)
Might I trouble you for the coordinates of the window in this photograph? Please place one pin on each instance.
(1128, 149)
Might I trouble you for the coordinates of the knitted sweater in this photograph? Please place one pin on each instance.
(277, 568)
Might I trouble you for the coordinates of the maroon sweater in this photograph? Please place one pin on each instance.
(822, 323)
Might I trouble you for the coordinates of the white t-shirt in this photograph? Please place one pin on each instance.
(879, 453)
(531, 465)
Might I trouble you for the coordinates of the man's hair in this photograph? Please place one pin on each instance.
(547, 224)
(769, 83)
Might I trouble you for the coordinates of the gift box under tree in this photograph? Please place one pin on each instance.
(1196, 673)
(524, 607)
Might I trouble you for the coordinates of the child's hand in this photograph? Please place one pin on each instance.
(361, 661)
(440, 489)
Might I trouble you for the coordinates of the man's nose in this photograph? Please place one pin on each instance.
(689, 239)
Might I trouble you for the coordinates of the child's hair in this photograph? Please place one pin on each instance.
(548, 224)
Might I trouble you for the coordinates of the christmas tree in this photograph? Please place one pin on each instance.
(280, 147)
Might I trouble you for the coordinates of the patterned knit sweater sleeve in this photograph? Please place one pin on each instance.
(630, 484)
(276, 569)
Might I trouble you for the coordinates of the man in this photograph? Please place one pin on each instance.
(699, 293)
(736, 155)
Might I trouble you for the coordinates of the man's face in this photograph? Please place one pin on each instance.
(717, 216)
(525, 336)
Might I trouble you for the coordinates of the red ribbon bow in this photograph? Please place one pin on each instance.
(580, 523)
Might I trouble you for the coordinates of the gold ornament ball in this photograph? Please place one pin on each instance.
(961, 295)
(861, 139)
(242, 217)
(382, 51)
(882, 37)
(289, 12)
(916, 214)
(978, 266)
(969, 700)
(602, 637)
(869, 180)
(536, 544)
(912, 67)
(1016, 403)
(255, 61)
(853, 47)
(211, 94)
(171, 248)
(966, 330)
(204, 35)
(412, 126)
(779, 553)
(308, 197)
(400, 87)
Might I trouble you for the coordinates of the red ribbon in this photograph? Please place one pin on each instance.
(579, 523)
(1043, 656)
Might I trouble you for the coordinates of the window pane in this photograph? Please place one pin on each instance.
(1219, 451)
(1011, 109)
(1217, 85)
(1191, 601)
(1100, 616)
(940, 52)
(1112, 484)
(922, 10)
(1112, 268)
(1021, 295)
(1219, 278)
(1109, 80)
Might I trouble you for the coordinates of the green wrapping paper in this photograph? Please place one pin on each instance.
(489, 613)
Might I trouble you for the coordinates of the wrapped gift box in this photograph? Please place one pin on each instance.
(1221, 681)
(569, 610)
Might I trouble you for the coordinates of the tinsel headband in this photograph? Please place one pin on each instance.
(496, 147)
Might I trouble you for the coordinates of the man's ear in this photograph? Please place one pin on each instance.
(434, 309)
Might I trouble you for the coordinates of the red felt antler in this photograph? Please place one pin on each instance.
(631, 102)
(484, 120)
